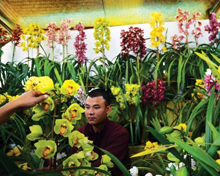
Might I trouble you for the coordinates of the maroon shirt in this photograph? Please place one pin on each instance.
(112, 137)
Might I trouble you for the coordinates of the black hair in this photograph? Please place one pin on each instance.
(100, 92)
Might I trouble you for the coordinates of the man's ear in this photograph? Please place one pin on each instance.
(108, 109)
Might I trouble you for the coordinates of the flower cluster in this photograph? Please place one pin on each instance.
(151, 145)
(43, 84)
(51, 34)
(213, 28)
(197, 32)
(184, 23)
(101, 35)
(199, 87)
(156, 35)
(81, 96)
(32, 36)
(133, 41)
(152, 93)
(80, 44)
(16, 33)
(64, 35)
(132, 95)
(210, 83)
(117, 92)
(4, 36)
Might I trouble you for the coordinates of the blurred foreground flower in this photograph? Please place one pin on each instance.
(15, 151)
(134, 171)
(153, 147)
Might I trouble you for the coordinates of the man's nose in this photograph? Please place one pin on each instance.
(91, 111)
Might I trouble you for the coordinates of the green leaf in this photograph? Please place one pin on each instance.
(117, 162)
(164, 141)
(197, 153)
(58, 76)
(209, 114)
(7, 164)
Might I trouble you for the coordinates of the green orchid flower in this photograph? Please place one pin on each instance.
(84, 143)
(80, 155)
(42, 109)
(107, 161)
(69, 87)
(74, 138)
(63, 127)
(36, 133)
(102, 167)
(90, 155)
(45, 149)
(73, 113)
(71, 161)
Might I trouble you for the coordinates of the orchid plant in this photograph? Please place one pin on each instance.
(133, 42)
(55, 120)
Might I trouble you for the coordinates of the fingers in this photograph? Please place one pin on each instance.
(41, 98)
(37, 93)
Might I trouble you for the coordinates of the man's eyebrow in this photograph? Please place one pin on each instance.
(92, 105)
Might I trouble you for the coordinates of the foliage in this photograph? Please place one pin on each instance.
(164, 98)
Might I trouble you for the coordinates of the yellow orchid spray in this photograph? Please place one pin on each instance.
(101, 35)
(32, 37)
(156, 35)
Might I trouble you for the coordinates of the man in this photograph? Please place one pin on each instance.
(26, 100)
(104, 133)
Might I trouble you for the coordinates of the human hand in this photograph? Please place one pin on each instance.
(30, 99)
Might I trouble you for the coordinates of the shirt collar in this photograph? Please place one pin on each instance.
(100, 130)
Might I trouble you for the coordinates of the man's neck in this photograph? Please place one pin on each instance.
(98, 127)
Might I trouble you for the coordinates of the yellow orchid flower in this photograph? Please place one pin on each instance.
(15, 151)
(69, 87)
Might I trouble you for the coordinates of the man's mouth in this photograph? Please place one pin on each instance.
(91, 118)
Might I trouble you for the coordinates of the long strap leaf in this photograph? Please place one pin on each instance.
(209, 114)
(117, 162)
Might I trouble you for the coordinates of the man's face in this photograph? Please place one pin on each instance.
(96, 110)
